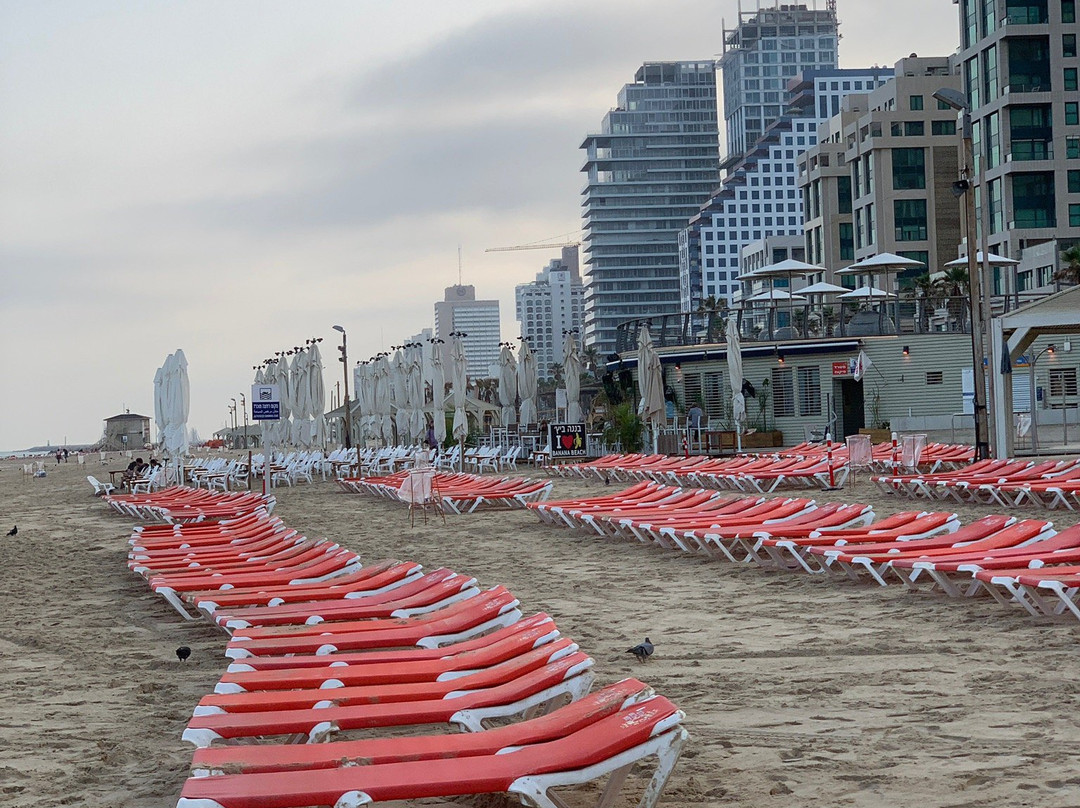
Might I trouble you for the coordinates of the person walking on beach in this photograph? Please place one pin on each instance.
(65, 454)
(59, 455)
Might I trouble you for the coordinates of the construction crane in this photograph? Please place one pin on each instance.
(536, 245)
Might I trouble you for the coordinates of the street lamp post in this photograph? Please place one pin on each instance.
(243, 406)
(344, 359)
(232, 435)
(1049, 349)
(964, 186)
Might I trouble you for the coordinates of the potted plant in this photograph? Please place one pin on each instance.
(762, 436)
(878, 430)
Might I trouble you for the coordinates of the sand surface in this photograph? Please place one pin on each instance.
(799, 691)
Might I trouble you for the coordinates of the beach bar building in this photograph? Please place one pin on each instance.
(126, 431)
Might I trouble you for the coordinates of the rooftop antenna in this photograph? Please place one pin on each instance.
(459, 265)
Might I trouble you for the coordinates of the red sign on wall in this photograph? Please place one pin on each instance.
(841, 368)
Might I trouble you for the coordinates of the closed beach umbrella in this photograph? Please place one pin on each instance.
(362, 399)
(316, 396)
(507, 383)
(459, 381)
(301, 428)
(175, 405)
(399, 386)
(526, 381)
(415, 391)
(735, 377)
(383, 403)
(438, 390)
(260, 378)
(159, 405)
(650, 383)
(572, 377)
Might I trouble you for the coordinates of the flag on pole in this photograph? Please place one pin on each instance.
(862, 365)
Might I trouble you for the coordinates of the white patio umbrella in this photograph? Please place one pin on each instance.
(438, 389)
(459, 381)
(507, 383)
(775, 296)
(175, 404)
(881, 264)
(823, 288)
(414, 391)
(572, 378)
(735, 379)
(316, 396)
(991, 259)
(301, 427)
(398, 385)
(283, 429)
(867, 293)
(159, 406)
(650, 384)
(526, 383)
(383, 385)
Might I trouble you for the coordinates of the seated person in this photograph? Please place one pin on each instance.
(134, 470)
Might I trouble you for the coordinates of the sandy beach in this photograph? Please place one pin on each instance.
(799, 691)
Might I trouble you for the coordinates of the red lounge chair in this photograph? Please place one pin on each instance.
(608, 747)
(493, 609)
(570, 677)
(247, 759)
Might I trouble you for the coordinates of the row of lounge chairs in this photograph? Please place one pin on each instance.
(1019, 562)
(457, 493)
(807, 465)
(179, 504)
(387, 648)
(1009, 483)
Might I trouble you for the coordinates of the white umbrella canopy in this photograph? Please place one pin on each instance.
(176, 402)
(399, 386)
(383, 385)
(283, 428)
(991, 259)
(787, 268)
(316, 396)
(867, 293)
(159, 404)
(882, 262)
(438, 389)
(526, 383)
(459, 381)
(823, 288)
(301, 427)
(650, 381)
(735, 378)
(414, 390)
(507, 383)
(777, 295)
(572, 378)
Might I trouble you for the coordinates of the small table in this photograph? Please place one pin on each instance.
(723, 441)
(112, 478)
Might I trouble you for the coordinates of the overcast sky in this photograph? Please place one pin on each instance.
(232, 178)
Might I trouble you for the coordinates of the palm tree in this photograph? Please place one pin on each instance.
(1070, 271)
(592, 360)
(952, 286)
(711, 306)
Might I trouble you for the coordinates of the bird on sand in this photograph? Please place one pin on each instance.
(642, 651)
(183, 652)
(14, 531)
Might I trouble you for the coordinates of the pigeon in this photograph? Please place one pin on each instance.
(642, 651)
(14, 531)
(183, 652)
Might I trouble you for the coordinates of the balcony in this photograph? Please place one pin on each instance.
(1031, 150)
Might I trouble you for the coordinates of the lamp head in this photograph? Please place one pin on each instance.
(1050, 349)
(338, 328)
(954, 98)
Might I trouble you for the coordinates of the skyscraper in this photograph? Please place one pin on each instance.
(1021, 76)
(549, 306)
(766, 49)
(759, 197)
(650, 168)
(478, 319)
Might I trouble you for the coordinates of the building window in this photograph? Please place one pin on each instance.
(1070, 78)
(843, 194)
(908, 169)
(847, 241)
(1072, 148)
(1068, 10)
(1068, 45)
(1029, 64)
(1074, 181)
(1062, 383)
(809, 391)
(1074, 215)
(1031, 131)
(783, 393)
(1072, 113)
(943, 105)
(1033, 199)
(909, 216)
(935, 377)
(943, 127)
(914, 128)
(915, 103)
